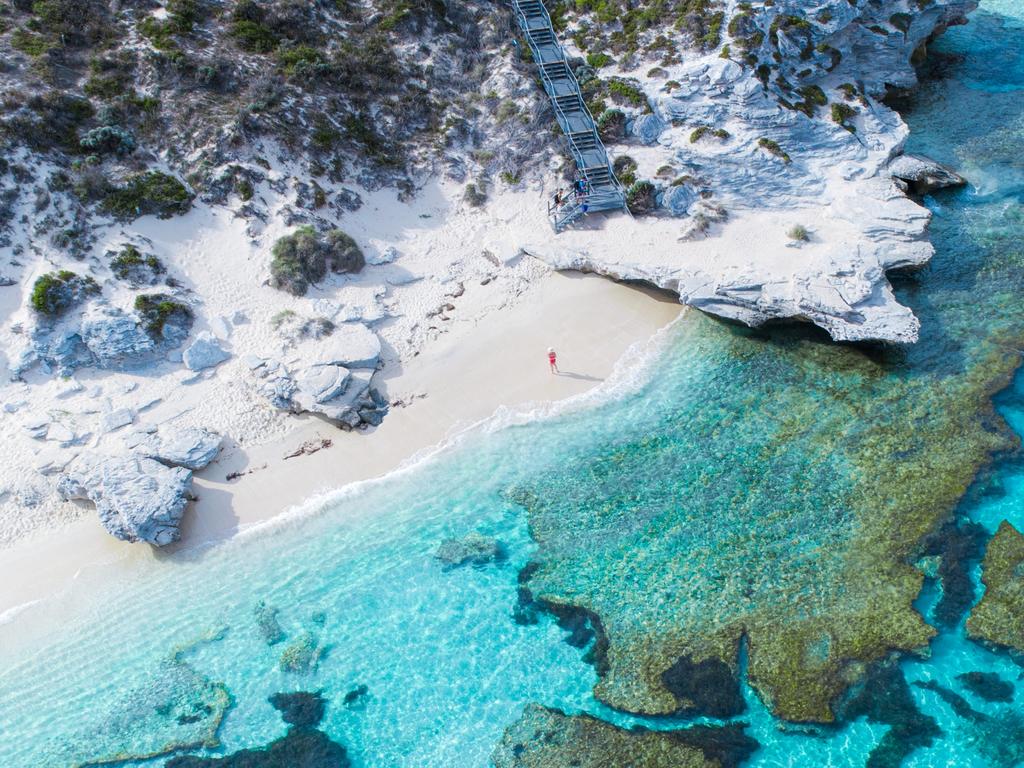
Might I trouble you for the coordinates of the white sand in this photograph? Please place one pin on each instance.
(468, 374)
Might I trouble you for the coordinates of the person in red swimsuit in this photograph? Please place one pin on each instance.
(552, 360)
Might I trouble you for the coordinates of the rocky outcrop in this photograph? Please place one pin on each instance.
(204, 352)
(924, 176)
(548, 738)
(334, 379)
(783, 119)
(997, 619)
(189, 447)
(475, 549)
(137, 499)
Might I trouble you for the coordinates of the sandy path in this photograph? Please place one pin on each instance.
(466, 375)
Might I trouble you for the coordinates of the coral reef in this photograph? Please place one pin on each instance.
(549, 738)
(997, 618)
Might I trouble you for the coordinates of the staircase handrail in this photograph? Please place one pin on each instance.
(545, 78)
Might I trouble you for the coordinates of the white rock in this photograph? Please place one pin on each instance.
(384, 256)
(137, 499)
(352, 345)
(116, 419)
(204, 352)
(189, 447)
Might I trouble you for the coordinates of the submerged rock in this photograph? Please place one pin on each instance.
(884, 697)
(549, 738)
(189, 447)
(923, 175)
(177, 709)
(302, 709)
(474, 548)
(988, 686)
(999, 617)
(137, 499)
(267, 624)
(302, 747)
(302, 654)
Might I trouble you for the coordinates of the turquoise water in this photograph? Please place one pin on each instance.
(763, 438)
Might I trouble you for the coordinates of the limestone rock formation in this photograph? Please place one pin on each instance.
(137, 499)
(924, 176)
(205, 352)
(189, 447)
(791, 108)
(334, 379)
(999, 617)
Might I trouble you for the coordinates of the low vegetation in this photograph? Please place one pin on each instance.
(56, 292)
(798, 233)
(641, 198)
(152, 192)
(305, 257)
(158, 309)
(773, 148)
(132, 265)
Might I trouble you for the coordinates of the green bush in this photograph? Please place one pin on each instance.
(157, 309)
(151, 192)
(598, 60)
(108, 139)
(772, 147)
(641, 198)
(841, 113)
(623, 91)
(611, 125)
(131, 264)
(475, 195)
(625, 167)
(798, 233)
(56, 292)
(305, 257)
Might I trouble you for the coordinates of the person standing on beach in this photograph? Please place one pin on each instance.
(552, 360)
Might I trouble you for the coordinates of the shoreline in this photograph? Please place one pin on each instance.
(461, 379)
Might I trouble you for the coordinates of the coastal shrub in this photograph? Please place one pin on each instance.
(151, 192)
(625, 167)
(30, 43)
(108, 139)
(798, 233)
(249, 28)
(849, 91)
(772, 147)
(56, 292)
(598, 60)
(641, 197)
(305, 257)
(159, 309)
(611, 125)
(475, 194)
(626, 92)
(841, 113)
(57, 120)
(706, 130)
(132, 265)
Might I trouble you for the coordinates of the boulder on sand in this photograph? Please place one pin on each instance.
(188, 447)
(137, 499)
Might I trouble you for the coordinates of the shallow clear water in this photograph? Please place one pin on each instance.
(446, 666)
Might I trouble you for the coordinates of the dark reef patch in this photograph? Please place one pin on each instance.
(302, 747)
(959, 547)
(305, 710)
(708, 687)
(988, 686)
(998, 738)
(883, 696)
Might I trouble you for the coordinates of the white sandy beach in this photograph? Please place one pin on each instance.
(468, 374)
